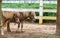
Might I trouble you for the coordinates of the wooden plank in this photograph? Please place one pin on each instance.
(49, 10)
(20, 1)
(50, 2)
(36, 17)
(46, 17)
(49, 18)
(18, 9)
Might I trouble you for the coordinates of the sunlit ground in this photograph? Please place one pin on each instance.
(32, 30)
(50, 29)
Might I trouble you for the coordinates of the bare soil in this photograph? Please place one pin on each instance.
(32, 30)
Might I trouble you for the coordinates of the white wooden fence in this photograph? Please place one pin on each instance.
(40, 10)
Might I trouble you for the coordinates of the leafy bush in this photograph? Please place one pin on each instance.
(20, 5)
(37, 13)
(49, 14)
(46, 14)
(50, 6)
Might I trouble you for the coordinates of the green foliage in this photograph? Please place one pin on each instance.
(49, 14)
(50, 6)
(20, 5)
(28, 5)
(46, 14)
(37, 13)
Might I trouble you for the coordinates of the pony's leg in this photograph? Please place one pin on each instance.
(18, 27)
(14, 23)
(21, 26)
(2, 27)
(3, 24)
(8, 27)
(2, 30)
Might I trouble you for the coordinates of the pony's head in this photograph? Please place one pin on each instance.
(31, 16)
(16, 18)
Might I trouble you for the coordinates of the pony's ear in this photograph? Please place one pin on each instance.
(21, 13)
(14, 15)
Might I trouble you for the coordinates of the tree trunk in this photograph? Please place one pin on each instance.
(58, 17)
(0, 15)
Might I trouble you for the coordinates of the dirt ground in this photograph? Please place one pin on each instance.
(32, 30)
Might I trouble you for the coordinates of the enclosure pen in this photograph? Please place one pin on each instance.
(29, 19)
(40, 6)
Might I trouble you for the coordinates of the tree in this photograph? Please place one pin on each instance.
(0, 15)
(58, 17)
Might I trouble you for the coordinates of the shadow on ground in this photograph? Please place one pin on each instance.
(29, 35)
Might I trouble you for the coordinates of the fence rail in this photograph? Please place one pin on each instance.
(45, 2)
(46, 17)
(20, 2)
(20, 9)
(50, 10)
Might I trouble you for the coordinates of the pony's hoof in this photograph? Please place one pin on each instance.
(9, 31)
(17, 31)
(22, 31)
(15, 24)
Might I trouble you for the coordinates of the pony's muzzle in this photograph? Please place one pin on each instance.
(33, 20)
(17, 21)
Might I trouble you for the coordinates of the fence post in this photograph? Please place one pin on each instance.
(58, 17)
(41, 12)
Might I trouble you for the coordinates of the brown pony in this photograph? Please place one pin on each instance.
(23, 16)
(6, 17)
(17, 17)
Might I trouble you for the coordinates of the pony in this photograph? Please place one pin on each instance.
(23, 16)
(18, 18)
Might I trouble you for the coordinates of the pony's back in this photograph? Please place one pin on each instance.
(26, 13)
(9, 14)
